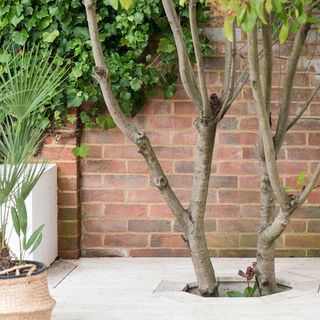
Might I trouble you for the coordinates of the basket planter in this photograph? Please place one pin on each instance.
(26, 298)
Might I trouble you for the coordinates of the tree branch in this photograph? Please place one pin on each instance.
(286, 97)
(267, 61)
(269, 151)
(229, 75)
(303, 109)
(186, 72)
(207, 112)
(158, 177)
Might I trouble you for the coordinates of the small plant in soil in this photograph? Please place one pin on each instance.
(249, 291)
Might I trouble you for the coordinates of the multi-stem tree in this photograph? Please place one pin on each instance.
(210, 110)
(277, 203)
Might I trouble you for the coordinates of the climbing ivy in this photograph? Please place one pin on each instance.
(137, 43)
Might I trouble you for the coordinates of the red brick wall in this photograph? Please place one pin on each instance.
(122, 215)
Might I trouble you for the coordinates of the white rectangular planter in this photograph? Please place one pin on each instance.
(42, 209)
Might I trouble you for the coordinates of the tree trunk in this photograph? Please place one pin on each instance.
(265, 268)
(207, 284)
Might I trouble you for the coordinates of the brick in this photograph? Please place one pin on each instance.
(103, 226)
(67, 198)
(161, 122)
(67, 184)
(69, 228)
(303, 154)
(185, 138)
(94, 152)
(237, 253)
(296, 226)
(302, 241)
(180, 181)
(103, 166)
(249, 182)
(121, 152)
(314, 139)
(313, 253)
(243, 108)
(104, 252)
(249, 123)
(149, 225)
(209, 226)
(292, 168)
(68, 243)
(314, 226)
(125, 181)
(144, 196)
(219, 240)
(314, 197)
(92, 181)
(248, 240)
(239, 168)
(67, 214)
(91, 240)
(243, 138)
(223, 182)
(214, 63)
(167, 240)
(102, 195)
(184, 108)
(67, 169)
(307, 212)
(127, 240)
(238, 196)
(173, 152)
(159, 253)
(113, 136)
(297, 138)
(213, 78)
(243, 225)
(218, 211)
(227, 153)
(125, 211)
(184, 166)
(307, 125)
(57, 153)
(92, 209)
(156, 107)
(159, 137)
(228, 123)
(290, 253)
(140, 121)
(160, 211)
(249, 211)
(250, 153)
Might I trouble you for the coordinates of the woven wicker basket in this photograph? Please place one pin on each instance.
(26, 298)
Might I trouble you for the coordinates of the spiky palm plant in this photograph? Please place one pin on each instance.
(28, 83)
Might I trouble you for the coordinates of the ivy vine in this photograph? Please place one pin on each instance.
(137, 43)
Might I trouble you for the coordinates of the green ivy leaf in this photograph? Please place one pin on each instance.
(77, 73)
(126, 4)
(50, 36)
(284, 32)
(71, 118)
(165, 46)
(81, 151)
(135, 84)
(227, 28)
(113, 3)
(235, 294)
(20, 37)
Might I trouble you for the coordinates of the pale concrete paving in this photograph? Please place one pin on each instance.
(122, 288)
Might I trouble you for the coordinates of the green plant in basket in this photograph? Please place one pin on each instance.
(28, 83)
